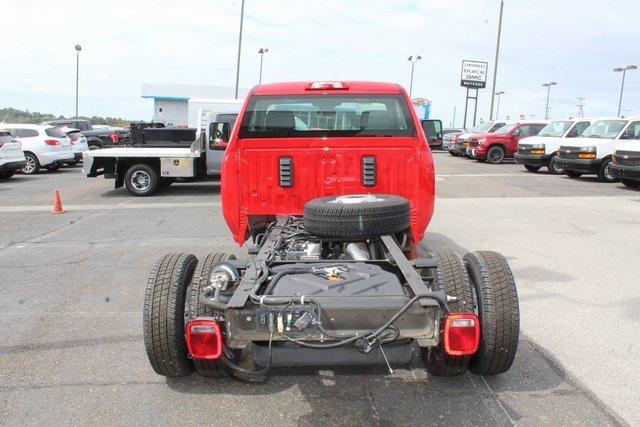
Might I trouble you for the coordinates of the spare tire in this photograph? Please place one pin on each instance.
(356, 216)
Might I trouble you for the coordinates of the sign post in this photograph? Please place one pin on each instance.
(473, 76)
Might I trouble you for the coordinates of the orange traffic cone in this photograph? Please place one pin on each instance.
(57, 203)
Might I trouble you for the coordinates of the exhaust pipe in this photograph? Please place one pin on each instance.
(358, 251)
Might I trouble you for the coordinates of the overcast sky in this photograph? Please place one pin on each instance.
(126, 43)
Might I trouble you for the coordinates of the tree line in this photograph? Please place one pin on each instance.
(13, 115)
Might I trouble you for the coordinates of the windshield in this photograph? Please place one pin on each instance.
(481, 128)
(608, 129)
(556, 128)
(505, 129)
(326, 116)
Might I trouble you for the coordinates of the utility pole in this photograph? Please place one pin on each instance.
(453, 123)
(546, 107)
(239, 48)
(495, 61)
(624, 73)
(413, 59)
(580, 106)
(78, 49)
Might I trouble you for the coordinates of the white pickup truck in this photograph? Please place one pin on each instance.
(592, 152)
(539, 151)
(143, 170)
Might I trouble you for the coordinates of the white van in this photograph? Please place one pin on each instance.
(539, 151)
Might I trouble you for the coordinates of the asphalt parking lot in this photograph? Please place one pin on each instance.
(72, 285)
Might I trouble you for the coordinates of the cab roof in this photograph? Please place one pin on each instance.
(352, 87)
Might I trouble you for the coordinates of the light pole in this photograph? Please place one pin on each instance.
(413, 59)
(239, 47)
(78, 49)
(495, 61)
(546, 107)
(262, 51)
(624, 73)
(498, 104)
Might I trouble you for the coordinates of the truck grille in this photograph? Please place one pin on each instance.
(524, 148)
(627, 158)
(568, 152)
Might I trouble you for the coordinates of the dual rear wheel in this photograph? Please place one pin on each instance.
(483, 283)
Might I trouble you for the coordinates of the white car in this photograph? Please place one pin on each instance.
(592, 152)
(43, 146)
(78, 143)
(537, 151)
(11, 157)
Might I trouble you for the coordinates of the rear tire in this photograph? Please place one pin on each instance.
(33, 165)
(451, 277)
(497, 302)
(164, 314)
(532, 168)
(573, 174)
(53, 167)
(201, 276)
(630, 184)
(141, 180)
(358, 216)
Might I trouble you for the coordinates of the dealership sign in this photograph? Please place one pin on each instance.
(474, 74)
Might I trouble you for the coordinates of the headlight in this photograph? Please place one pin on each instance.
(482, 141)
(591, 149)
(537, 147)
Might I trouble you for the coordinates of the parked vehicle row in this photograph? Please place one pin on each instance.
(97, 137)
(29, 148)
(607, 148)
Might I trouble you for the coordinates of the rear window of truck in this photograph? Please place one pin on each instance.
(326, 116)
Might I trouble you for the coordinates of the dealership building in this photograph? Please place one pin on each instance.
(171, 101)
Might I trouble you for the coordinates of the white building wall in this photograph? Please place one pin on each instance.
(171, 111)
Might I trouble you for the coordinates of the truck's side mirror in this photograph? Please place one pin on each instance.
(219, 135)
(432, 129)
(516, 132)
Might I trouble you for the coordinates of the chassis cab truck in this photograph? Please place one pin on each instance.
(330, 187)
(592, 152)
(539, 151)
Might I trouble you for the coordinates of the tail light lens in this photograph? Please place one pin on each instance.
(327, 86)
(461, 334)
(204, 339)
(114, 138)
(52, 142)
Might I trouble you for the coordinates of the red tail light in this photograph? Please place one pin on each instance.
(204, 339)
(461, 334)
(52, 142)
(114, 138)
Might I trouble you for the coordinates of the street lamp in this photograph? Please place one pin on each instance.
(78, 49)
(239, 47)
(495, 61)
(546, 108)
(498, 106)
(262, 51)
(623, 70)
(413, 59)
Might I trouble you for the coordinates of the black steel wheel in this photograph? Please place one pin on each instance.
(554, 167)
(164, 314)
(201, 276)
(496, 155)
(604, 173)
(451, 277)
(498, 310)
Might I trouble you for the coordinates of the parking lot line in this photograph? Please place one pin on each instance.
(47, 208)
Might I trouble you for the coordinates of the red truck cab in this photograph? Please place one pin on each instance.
(297, 141)
(495, 147)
